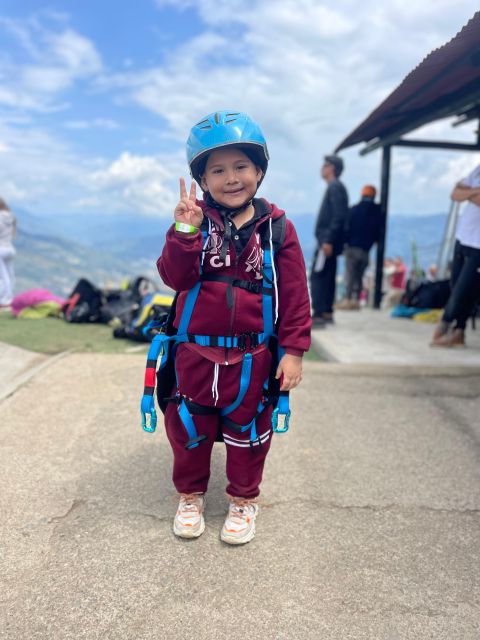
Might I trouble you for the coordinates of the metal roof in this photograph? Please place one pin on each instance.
(445, 83)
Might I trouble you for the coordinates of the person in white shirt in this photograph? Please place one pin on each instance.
(7, 254)
(465, 279)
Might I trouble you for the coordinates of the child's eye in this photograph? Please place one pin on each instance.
(242, 166)
(217, 171)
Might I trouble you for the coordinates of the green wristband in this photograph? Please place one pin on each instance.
(185, 228)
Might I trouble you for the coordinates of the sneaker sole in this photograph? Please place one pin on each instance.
(186, 533)
(224, 537)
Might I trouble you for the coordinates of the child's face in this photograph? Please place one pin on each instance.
(230, 177)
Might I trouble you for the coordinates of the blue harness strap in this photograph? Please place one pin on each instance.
(245, 376)
(161, 345)
(281, 414)
(188, 423)
(188, 309)
(267, 298)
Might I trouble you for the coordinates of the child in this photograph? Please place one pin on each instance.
(220, 382)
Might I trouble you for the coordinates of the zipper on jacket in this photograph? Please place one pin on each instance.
(234, 297)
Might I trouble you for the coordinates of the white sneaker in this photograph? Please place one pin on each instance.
(189, 521)
(239, 526)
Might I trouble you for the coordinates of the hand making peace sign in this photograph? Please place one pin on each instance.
(187, 210)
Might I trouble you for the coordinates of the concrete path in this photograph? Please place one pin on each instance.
(373, 337)
(17, 366)
(369, 524)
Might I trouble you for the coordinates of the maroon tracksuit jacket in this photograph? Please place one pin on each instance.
(210, 376)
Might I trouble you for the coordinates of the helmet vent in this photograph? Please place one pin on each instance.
(216, 118)
(204, 124)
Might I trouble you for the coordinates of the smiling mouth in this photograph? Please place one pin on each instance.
(232, 193)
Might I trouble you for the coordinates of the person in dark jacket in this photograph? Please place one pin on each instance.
(329, 232)
(363, 230)
(228, 158)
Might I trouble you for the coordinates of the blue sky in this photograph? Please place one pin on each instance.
(97, 98)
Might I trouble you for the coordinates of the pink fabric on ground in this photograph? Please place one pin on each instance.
(32, 297)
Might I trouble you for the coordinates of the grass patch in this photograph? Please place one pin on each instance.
(312, 355)
(53, 335)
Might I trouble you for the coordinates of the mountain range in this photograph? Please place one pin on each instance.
(53, 252)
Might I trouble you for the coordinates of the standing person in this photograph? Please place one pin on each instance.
(397, 282)
(7, 254)
(465, 275)
(215, 251)
(364, 224)
(329, 232)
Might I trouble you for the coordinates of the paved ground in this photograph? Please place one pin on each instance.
(16, 366)
(369, 524)
(373, 337)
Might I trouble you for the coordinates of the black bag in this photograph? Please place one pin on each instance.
(166, 375)
(153, 307)
(84, 304)
(427, 295)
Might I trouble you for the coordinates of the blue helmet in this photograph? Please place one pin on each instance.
(222, 129)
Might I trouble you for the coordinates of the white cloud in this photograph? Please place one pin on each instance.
(46, 175)
(57, 59)
(309, 72)
(91, 202)
(11, 191)
(137, 183)
(74, 52)
(457, 168)
(100, 123)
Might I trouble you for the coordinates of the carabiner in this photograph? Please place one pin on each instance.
(149, 428)
(276, 415)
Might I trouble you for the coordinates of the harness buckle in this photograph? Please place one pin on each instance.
(253, 287)
(242, 342)
(279, 418)
(194, 442)
(149, 425)
(253, 340)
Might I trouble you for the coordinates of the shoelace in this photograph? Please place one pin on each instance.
(240, 510)
(189, 503)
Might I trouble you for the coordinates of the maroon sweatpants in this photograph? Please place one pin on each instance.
(191, 467)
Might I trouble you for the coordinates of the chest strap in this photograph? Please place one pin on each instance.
(247, 285)
(242, 342)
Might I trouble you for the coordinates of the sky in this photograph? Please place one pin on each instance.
(97, 98)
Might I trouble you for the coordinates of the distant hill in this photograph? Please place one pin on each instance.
(53, 251)
(426, 231)
(53, 263)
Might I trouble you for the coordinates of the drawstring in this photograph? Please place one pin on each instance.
(274, 272)
(215, 383)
